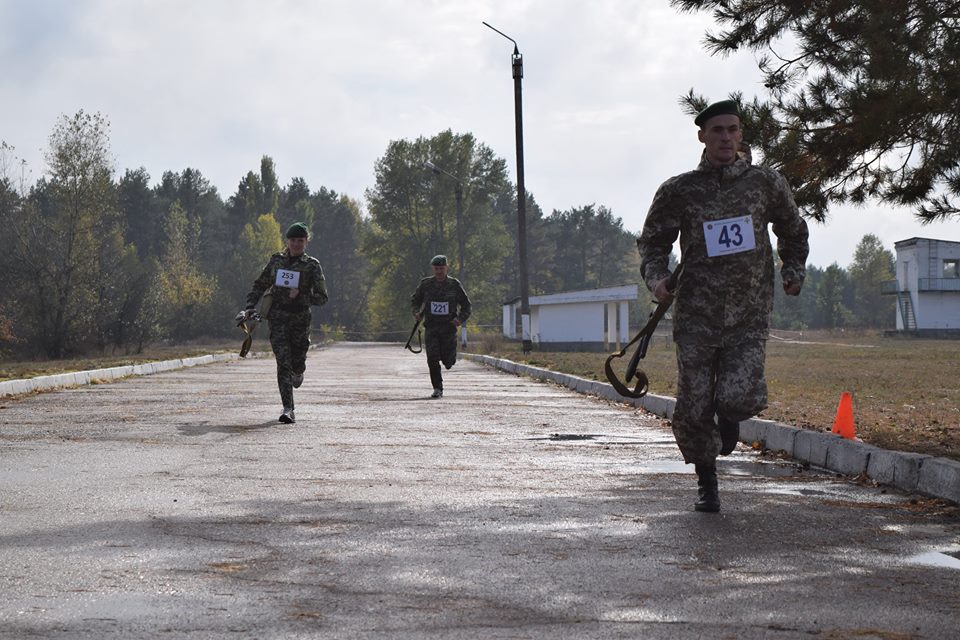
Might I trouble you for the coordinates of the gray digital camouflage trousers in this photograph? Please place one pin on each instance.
(290, 339)
(726, 381)
(441, 346)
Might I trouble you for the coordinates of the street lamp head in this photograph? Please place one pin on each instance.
(516, 50)
(432, 167)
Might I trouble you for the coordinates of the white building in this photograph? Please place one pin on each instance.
(927, 286)
(591, 320)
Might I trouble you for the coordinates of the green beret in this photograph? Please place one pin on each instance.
(298, 230)
(439, 260)
(722, 108)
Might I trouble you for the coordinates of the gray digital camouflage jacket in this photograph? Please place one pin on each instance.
(726, 289)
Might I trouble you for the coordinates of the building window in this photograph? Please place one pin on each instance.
(951, 268)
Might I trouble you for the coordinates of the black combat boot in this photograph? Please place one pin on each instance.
(729, 435)
(708, 496)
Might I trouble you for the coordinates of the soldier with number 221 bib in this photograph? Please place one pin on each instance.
(721, 212)
(443, 305)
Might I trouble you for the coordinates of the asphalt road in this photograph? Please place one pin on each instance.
(176, 506)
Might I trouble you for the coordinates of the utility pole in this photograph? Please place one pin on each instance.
(517, 64)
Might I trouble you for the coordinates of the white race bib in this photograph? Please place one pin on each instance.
(287, 279)
(733, 235)
(440, 308)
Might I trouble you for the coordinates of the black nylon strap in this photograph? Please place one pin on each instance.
(643, 337)
(419, 335)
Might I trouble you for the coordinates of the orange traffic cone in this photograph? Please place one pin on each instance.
(843, 423)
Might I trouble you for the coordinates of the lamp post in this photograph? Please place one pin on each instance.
(521, 192)
(458, 192)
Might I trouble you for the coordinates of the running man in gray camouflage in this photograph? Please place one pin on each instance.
(443, 305)
(293, 281)
(721, 212)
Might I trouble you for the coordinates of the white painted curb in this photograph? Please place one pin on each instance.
(76, 378)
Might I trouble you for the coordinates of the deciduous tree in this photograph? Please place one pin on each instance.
(55, 237)
(872, 265)
(413, 215)
(184, 289)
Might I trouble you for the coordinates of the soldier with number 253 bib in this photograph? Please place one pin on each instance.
(292, 280)
(721, 212)
(443, 305)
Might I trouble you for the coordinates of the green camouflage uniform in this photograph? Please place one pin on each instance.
(722, 308)
(440, 303)
(289, 320)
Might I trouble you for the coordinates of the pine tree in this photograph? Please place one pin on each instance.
(867, 105)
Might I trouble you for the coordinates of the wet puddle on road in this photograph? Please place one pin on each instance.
(602, 439)
(758, 467)
(738, 465)
(743, 468)
(937, 559)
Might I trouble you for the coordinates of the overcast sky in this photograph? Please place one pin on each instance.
(323, 86)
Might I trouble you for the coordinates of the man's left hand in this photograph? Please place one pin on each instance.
(456, 322)
(792, 287)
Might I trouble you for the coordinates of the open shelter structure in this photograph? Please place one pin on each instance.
(588, 320)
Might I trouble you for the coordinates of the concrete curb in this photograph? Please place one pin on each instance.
(911, 472)
(94, 376)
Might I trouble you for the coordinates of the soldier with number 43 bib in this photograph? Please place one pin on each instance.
(721, 212)
(289, 284)
(443, 305)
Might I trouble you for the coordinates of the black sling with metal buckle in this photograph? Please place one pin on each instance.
(643, 337)
(419, 334)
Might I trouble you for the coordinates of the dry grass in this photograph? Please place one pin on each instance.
(906, 392)
(16, 369)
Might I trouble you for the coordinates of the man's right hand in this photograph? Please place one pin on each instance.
(417, 317)
(660, 291)
(243, 315)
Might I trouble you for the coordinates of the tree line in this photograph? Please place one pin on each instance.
(838, 298)
(96, 262)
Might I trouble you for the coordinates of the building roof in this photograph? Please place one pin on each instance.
(912, 241)
(604, 294)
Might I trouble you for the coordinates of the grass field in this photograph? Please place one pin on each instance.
(16, 369)
(906, 392)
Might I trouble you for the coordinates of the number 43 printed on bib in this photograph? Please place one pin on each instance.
(733, 235)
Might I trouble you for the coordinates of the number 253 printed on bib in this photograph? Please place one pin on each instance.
(287, 279)
(733, 235)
